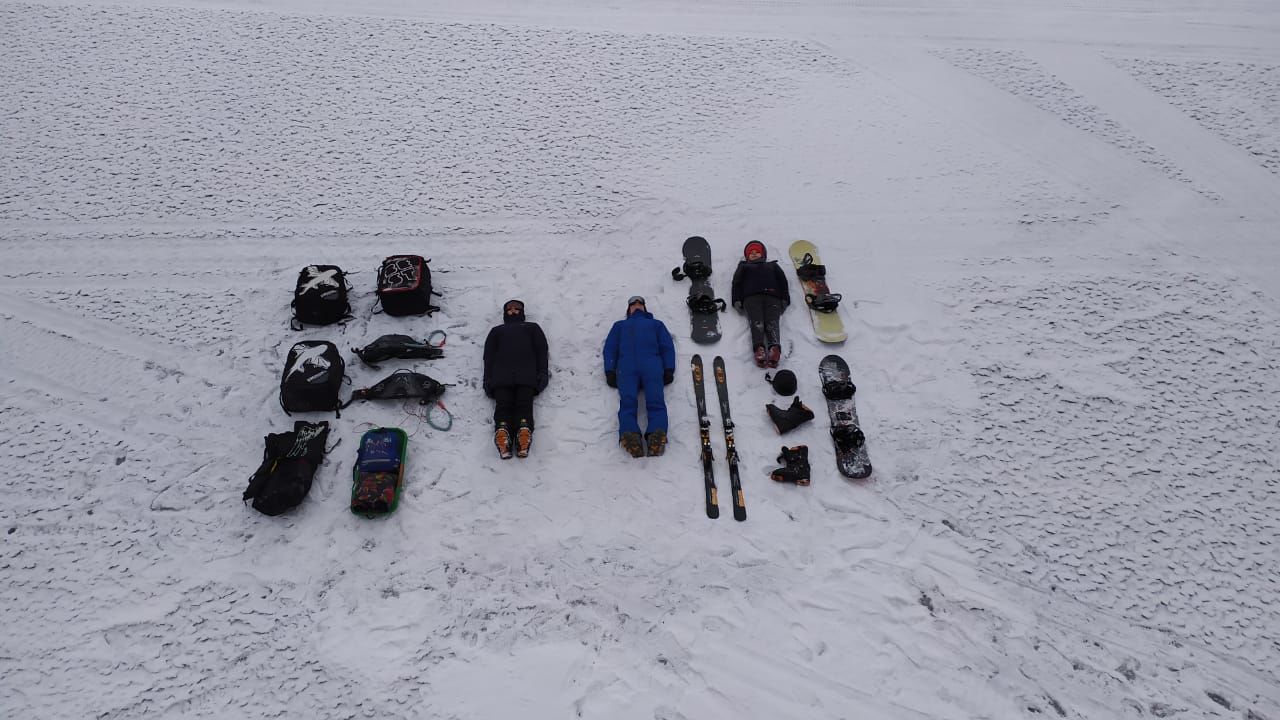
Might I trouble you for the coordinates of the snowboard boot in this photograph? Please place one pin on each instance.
(775, 356)
(793, 417)
(795, 465)
(502, 440)
(632, 443)
(657, 442)
(524, 438)
(762, 357)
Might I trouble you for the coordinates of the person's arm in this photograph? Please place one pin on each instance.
(490, 346)
(736, 292)
(540, 350)
(667, 347)
(611, 356)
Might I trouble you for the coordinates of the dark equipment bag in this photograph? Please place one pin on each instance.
(320, 297)
(401, 347)
(289, 463)
(312, 377)
(404, 286)
(399, 385)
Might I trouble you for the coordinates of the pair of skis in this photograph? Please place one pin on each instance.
(704, 429)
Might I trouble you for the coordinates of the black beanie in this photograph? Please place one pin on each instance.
(783, 381)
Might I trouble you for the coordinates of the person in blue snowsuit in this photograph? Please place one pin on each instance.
(639, 356)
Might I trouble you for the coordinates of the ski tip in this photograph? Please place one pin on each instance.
(713, 512)
(739, 514)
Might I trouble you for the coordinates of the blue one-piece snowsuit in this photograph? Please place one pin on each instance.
(639, 349)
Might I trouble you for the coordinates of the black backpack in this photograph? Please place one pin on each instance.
(404, 286)
(312, 378)
(320, 297)
(288, 465)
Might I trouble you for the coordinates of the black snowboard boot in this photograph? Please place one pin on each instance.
(795, 465)
(632, 443)
(657, 442)
(502, 440)
(524, 438)
(791, 418)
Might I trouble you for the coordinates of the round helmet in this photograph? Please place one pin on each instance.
(783, 381)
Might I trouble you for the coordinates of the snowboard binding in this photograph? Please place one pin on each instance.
(848, 437)
(825, 303)
(839, 389)
(705, 304)
(694, 269)
(795, 466)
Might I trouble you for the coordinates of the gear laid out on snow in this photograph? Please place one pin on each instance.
(793, 417)
(313, 375)
(378, 475)
(704, 306)
(704, 436)
(846, 432)
(289, 463)
(730, 450)
(405, 384)
(401, 347)
(320, 297)
(783, 382)
(404, 286)
(827, 325)
(795, 465)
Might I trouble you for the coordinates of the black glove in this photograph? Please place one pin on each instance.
(668, 376)
(611, 378)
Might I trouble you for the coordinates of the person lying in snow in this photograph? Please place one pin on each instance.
(760, 290)
(515, 370)
(639, 356)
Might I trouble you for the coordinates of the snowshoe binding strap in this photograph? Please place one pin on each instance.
(705, 304)
(695, 269)
(809, 270)
(825, 303)
(848, 437)
(400, 385)
(839, 389)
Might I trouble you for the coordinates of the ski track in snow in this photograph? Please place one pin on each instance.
(1074, 508)
(1240, 101)
(1015, 72)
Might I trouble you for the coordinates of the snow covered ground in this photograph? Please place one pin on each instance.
(1055, 225)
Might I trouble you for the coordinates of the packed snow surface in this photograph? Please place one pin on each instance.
(1054, 225)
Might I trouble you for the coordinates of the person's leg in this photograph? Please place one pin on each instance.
(504, 401)
(771, 309)
(655, 404)
(523, 409)
(628, 402)
(754, 307)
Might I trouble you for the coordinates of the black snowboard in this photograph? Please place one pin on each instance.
(846, 433)
(704, 306)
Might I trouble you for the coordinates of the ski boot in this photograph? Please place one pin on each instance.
(795, 465)
(502, 440)
(657, 442)
(633, 443)
(524, 438)
(787, 420)
(774, 356)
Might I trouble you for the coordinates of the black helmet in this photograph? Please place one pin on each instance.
(783, 381)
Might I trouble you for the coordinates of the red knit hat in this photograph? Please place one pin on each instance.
(757, 245)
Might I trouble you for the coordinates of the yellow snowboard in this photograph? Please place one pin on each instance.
(822, 303)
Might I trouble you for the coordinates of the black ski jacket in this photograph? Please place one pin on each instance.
(515, 353)
(762, 277)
